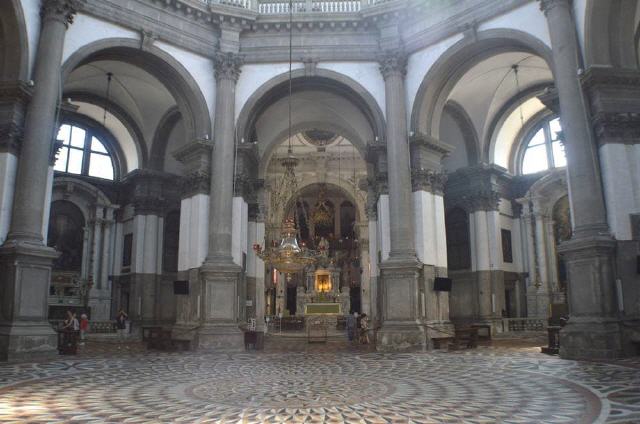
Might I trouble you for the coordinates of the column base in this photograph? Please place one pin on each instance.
(401, 336)
(25, 275)
(24, 341)
(219, 330)
(221, 338)
(591, 339)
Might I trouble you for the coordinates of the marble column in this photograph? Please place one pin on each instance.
(400, 313)
(25, 261)
(593, 330)
(219, 274)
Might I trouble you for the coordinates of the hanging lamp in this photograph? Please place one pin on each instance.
(288, 257)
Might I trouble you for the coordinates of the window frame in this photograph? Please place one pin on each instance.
(92, 129)
(539, 122)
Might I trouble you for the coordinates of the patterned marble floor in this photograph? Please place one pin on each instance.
(353, 385)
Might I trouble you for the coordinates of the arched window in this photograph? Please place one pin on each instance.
(84, 153)
(544, 149)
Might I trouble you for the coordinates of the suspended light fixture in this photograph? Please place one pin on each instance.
(287, 257)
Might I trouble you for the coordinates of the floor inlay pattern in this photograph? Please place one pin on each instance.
(354, 387)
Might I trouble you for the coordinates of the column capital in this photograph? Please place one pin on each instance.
(227, 65)
(548, 5)
(393, 63)
(62, 10)
(429, 181)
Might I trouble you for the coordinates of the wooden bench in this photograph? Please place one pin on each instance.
(441, 342)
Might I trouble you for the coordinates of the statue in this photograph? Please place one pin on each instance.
(323, 247)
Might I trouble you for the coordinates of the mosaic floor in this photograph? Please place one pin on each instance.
(491, 384)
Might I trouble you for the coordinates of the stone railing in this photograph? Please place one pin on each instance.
(94, 326)
(524, 324)
(277, 7)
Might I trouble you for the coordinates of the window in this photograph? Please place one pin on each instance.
(544, 149)
(83, 153)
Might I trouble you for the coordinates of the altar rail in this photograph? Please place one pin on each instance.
(277, 7)
(94, 326)
(524, 324)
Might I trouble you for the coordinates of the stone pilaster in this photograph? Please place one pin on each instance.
(25, 261)
(400, 314)
(219, 274)
(593, 330)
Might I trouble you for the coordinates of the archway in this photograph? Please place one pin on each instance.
(499, 58)
(171, 92)
(14, 49)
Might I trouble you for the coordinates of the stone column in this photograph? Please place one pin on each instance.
(428, 181)
(219, 274)
(593, 330)
(400, 292)
(25, 262)
(194, 222)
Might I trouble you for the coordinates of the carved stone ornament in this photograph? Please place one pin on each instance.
(198, 182)
(547, 5)
(393, 63)
(429, 181)
(227, 65)
(63, 10)
(617, 127)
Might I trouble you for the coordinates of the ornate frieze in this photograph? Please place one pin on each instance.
(614, 99)
(393, 63)
(477, 188)
(62, 10)
(227, 65)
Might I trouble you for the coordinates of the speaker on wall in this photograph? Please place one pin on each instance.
(442, 284)
(181, 287)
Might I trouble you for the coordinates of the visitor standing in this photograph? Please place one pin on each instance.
(84, 326)
(364, 329)
(121, 323)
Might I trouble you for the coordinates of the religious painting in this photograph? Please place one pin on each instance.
(66, 235)
(562, 229)
(507, 251)
(458, 243)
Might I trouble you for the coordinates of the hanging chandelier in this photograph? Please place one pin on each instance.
(288, 257)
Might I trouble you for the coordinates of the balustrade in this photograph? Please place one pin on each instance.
(524, 324)
(278, 7)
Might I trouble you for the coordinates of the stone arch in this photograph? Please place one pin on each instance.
(337, 184)
(436, 86)
(161, 138)
(610, 33)
(80, 193)
(171, 73)
(14, 47)
(273, 143)
(460, 116)
(547, 190)
(125, 118)
(323, 79)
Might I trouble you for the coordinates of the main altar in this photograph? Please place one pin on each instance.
(321, 296)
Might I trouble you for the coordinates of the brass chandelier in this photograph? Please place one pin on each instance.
(288, 257)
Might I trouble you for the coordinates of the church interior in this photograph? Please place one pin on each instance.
(361, 211)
